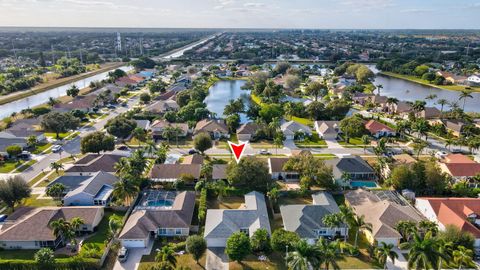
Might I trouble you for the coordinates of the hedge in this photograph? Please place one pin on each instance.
(202, 207)
(60, 264)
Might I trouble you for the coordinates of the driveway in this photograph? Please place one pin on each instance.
(290, 144)
(134, 257)
(333, 144)
(216, 259)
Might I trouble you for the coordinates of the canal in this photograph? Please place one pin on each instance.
(222, 92)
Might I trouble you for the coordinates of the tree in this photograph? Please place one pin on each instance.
(166, 255)
(270, 111)
(463, 96)
(385, 251)
(238, 246)
(73, 91)
(120, 127)
(139, 134)
(260, 241)
(304, 256)
(45, 258)
(423, 252)
(59, 122)
(352, 126)
(463, 257)
(442, 102)
(145, 98)
(56, 166)
(13, 190)
(316, 89)
(124, 190)
(234, 107)
(358, 222)
(117, 73)
(56, 191)
(312, 171)
(202, 142)
(278, 140)
(457, 237)
(13, 150)
(233, 122)
(331, 252)
(366, 142)
(406, 228)
(281, 239)
(32, 141)
(292, 82)
(315, 110)
(196, 246)
(97, 142)
(156, 87)
(162, 153)
(250, 173)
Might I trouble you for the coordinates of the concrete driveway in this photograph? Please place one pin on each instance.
(216, 259)
(332, 143)
(134, 257)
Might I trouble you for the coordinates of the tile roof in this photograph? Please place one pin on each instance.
(291, 127)
(174, 171)
(374, 127)
(248, 128)
(94, 184)
(193, 159)
(219, 171)
(95, 163)
(458, 158)
(209, 125)
(463, 169)
(349, 164)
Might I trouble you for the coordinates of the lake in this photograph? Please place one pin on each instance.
(222, 92)
(410, 91)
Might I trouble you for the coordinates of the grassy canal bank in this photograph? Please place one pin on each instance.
(426, 83)
(56, 83)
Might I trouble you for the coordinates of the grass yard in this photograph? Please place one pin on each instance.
(262, 144)
(231, 202)
(41, 147)
(22, 254)
(313, 142)
(10, 165)
(54, 135)
(303, 121)
(51, 176)
(325, 156)
(274, 261)
(37, 178)
(355, 142)
(26, 165)
(184, 260)
(33, 201)
(284, 200)
(98, 239)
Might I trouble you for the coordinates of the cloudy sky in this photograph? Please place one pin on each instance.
(438, 14)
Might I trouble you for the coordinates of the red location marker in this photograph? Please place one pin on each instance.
(237, 149)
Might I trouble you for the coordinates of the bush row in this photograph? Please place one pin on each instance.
(202, 207)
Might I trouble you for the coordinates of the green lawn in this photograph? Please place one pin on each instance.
(41, 147)
(184, 260)
(98, 239)
(10, 165)
(22, 254)
(274, 261)
(303, 121)
(37, 178)
(54, 135)
(26, 165)
(313, 142)
(33, 201)
(353, 142)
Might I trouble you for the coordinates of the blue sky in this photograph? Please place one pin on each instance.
(380, 14)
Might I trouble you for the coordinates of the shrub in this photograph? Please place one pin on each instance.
(202, 207)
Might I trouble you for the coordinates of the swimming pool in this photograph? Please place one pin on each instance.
(367, 184)
(159, 203)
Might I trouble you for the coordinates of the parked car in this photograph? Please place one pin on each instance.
(56, 148)
(24, 155)
(440, 154)
(3, 218)
(123, 254)
(264, 152)
(123, 148)
(192, 151)
(111, 107)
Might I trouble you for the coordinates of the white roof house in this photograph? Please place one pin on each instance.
(222, 223)
(290, 128)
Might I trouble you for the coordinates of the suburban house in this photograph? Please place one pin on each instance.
(159, 213)
(83, 103)
(379, 130)
(24, 130)
(455, 126)
(247, 131)
(382, 209)
(461, 168)
(219, 172)
(93, 163)
(172, 172)
(354, 167)
(163, 106)
(158, 126)
(193, 159)
(474, 80)
(306, 219)
(430, 113)
(220, 224)
(327, 130)
(87, 190)
(6, 142)
(143, 124)
(401, 159)
(463, 213)
(275, 168)
(29, 228)
(292, 129)
(216, 128)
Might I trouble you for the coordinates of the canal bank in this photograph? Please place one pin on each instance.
(425, 83)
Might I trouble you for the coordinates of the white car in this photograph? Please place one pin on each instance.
(56, 148)
(122, 254)
(264, 152)
(440, 154)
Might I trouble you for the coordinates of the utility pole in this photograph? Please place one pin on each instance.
(53, 55)
(14, 51)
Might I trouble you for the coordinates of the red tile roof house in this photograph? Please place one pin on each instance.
(29, 228)
(379, 130)
(463, 213)
(460, 167)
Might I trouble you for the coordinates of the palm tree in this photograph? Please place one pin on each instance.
(418, 106)
(56, 166)
(423, 252)
(428, 226)
(61, 229)
(446, 248)
(138, 163)
(358, 222)
(463, 257)
(384, 252)
(273, 196)
(75, 224)
(304, 256)
(406, 228)
(124, 190)
(379, 88)
(464, 95)
(365, 141)
(162, 153)
(278, 141)
(331, 253)
(431, 97)
(167, 255)
(347, 214)
(150, 148)
(442, 102)
(390, 102)
(122, 167)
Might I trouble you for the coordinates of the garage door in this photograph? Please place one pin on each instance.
(216, 242)
(134, 243)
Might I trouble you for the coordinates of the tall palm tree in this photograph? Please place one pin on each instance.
(358, 222)
(379, 88)
(61, 229)
(463, 257)
(385, 251)
(464, 95)
(76, 222)
(56, 166)
(406, 228)
(446, 248)
(304, 256)
(122, 167)
(418, 106)
(442, 102)
(428, 226)
(423, 252)
(124, 190)
(390, 102)
(331, 253)
(138, 163)
(347, 214)
(150, 148)
(365, 141)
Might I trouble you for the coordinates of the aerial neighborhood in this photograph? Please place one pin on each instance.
(343, 167)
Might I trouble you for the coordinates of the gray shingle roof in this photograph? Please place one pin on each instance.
(352, 164)
(94, 184)
(95, 163)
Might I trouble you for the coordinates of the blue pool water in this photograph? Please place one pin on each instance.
(160, 203)
(368, 184)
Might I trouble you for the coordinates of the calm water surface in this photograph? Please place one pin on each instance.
(222, 92)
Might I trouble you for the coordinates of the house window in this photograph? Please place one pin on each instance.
(320, 232)
(245, 231)
(178, 231)
(162, 231)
